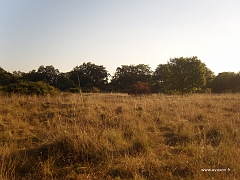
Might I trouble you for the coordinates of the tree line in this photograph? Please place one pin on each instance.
(179, 76)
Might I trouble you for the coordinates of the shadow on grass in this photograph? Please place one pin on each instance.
(34, 162)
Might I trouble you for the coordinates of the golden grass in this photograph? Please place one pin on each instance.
(116, 136)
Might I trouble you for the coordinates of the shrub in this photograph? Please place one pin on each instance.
(204, 90)
(38, 88)
(140, 88)
(74, 90)
(96, 90)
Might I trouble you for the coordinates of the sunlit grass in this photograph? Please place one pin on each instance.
(116, 136)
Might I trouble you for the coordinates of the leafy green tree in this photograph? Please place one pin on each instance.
(126, 75)
(86, 81)
(32, 76)
(48, 73)
(89, 75)
(226, 82)
(64, 83)
(182, 75)
(209, 77)
(237, 82)
(6, 78)
(160, 75)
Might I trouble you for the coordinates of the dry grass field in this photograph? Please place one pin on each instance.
(116, 136)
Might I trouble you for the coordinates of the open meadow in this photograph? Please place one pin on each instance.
(117, 136)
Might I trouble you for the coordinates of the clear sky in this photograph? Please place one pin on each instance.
(66, 33)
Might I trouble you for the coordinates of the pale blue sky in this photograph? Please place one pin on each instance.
(66, 33)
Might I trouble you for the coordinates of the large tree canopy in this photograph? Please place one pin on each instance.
(49, 73)
(64, 83)
(126, 75)
(89, 75)
(182, 75)
(226, 82)
(6, 78)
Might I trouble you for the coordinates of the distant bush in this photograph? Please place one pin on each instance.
(204, 90)
(38, 88)
(96, 90)
(74, 90)
(140, 88)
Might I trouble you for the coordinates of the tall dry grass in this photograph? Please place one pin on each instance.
(116, 136)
